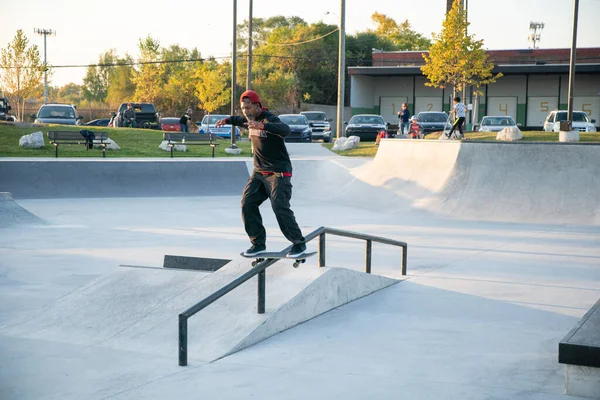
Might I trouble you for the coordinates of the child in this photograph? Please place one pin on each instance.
(414, 129)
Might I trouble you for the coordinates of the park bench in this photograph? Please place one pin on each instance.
(580, 352)
(190, 139)
(76, 137)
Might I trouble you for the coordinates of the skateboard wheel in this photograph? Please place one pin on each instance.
(296, 264)
(254, 263)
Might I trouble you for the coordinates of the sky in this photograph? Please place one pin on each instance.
(87, 29)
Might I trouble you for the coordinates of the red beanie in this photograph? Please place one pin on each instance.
(251, 95)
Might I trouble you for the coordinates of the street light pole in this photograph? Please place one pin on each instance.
(249, 74)
(341, 71)
(233, 71)
(573, 58)
(45, 32)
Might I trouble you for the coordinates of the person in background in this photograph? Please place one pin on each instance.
(128, 119)
(184, 121)
(460, 112)
(404, 117)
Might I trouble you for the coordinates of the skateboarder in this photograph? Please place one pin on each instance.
(459, 112)
(271, 178)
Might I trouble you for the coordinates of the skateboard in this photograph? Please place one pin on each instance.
(263, 256)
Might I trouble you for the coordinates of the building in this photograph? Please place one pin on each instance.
(535, 82)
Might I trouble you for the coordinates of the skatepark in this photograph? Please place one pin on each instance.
(502, 261)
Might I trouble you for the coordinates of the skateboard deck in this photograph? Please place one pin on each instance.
(263, 256)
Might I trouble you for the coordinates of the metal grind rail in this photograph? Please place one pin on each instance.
(260, 268)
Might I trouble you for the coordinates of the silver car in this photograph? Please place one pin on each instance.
(57, 113)
(496, 124)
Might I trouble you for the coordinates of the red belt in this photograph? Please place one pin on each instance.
(288, 174)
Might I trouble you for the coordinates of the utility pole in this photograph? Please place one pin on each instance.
(233, 71)
(572, 66)
(249, 73)
(341, 71)
(45, 32)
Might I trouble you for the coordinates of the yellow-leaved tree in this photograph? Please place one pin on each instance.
(22, 71)
(456, 58)
(213, 86)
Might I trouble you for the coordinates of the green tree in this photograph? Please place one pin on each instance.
(71, 93)
(177, 73)
(97, 78)
(22, 71)
(455, 58)
(148, 82)
(121, 87)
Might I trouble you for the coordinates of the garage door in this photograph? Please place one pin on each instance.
(590, 105)
(427, 104)
(502, 106)
(538, 109)
(389, 107)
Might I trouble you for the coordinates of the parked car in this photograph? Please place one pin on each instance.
(146, 115)
(4, 111)
(170, 124)
(98, 122)
(496, 123)
(224, 131)
(581, 121)
(57, 113)
(433, 121)
(299, 127)
(319, 124)
(365, 126)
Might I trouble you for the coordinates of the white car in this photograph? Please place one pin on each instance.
(496, 124)
(581, 121)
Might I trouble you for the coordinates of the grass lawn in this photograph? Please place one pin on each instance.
(133, 143)
(365, 149)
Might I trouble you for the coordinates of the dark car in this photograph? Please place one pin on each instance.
(57, 113)
(98, 122)
(319, 124)
(365, 126)
(433, 121)
(300, 130)
(146, 115)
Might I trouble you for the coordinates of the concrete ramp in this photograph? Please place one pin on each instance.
(136, 309)
(12, 214)
(508, 182)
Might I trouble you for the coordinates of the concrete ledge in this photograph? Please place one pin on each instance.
(581, 346)
(582, 381)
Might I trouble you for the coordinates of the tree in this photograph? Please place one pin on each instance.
(148, 82)
(22, 71)
(121, 87)
(455, 58)
(401, 37)
(213, 86)
(71, 93)
(97, 78)
(179, 90)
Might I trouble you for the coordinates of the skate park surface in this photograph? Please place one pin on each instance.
(503, 260)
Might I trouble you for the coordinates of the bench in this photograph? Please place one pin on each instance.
(190, 139)
(580, 352)
(75, 137)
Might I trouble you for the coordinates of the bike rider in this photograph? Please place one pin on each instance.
(128, 118)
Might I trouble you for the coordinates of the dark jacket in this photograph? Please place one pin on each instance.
(184, 119)
(270, 153)
(404, 115)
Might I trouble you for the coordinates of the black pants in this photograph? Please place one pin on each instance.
(458, 123)
(278, 189)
